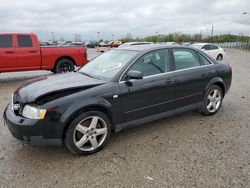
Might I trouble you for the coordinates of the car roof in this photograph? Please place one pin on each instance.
(148, 47)
(201, 43)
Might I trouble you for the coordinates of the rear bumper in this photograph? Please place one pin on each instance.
(27, 130)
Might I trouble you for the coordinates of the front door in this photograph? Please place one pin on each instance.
(7, 53)
(154, 93)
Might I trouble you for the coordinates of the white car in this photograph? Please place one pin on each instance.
(127, 44)
(212, 50)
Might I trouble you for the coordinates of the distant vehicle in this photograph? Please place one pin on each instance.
(115, 43)
(168, 43)
(91, 44)
(76, 44)
(212, 50)
(103, 44)
(44, 43)
(64, 43)
(127, 44)
(121, 88)
(22, 52)
(187, 43)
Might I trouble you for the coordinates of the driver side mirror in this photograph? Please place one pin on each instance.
(132, 74)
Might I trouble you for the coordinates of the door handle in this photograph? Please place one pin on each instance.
(169, 82)
(205, 75)
(32, 51)
(9, 52)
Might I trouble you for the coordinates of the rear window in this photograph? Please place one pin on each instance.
(185, 58)
(24, 41)
(5, 41)
(212, 47)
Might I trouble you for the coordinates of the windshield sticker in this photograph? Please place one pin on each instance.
(115, 66)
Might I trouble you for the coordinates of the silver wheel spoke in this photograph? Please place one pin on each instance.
(82, 141)
(101, 131)
(94, 122)
(93, 142)
(210, 98)
(209, 105)
(214, 106)
(215, 94)
(81, 129)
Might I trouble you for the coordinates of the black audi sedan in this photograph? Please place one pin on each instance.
(121, 88)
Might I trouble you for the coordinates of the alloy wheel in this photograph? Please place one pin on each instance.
(214, 100)
(90, 133)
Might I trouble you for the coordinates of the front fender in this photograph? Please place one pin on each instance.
(86, 103)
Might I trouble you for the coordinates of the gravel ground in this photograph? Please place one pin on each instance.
(186, 150)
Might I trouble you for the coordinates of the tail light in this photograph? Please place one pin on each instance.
(85, 55)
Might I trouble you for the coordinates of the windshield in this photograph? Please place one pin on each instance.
(107, 65)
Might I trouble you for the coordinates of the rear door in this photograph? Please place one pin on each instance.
(214, 51)
(28, 52)
(154, 93)
(192, 76)
(7, 53)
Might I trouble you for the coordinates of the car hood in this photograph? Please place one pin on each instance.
(35, 88)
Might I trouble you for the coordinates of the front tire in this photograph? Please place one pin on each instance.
(88, 133)
(64, 65)
(212, 101)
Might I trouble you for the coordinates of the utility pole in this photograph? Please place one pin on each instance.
(201, 35)
(212, 33)
(98, 36)
(112, 36)
(53, 38)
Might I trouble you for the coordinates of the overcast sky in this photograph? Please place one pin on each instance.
(119, 17)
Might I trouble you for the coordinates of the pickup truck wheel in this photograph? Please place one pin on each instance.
(88, 133)
(64, 65)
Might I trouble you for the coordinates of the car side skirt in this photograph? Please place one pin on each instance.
(162, 115)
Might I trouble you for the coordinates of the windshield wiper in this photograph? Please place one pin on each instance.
(91, 76)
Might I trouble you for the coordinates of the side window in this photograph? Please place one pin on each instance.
(24, 41)
(185, 58)
(6, 41)
(204, 60)
(152, 63)
(206, 47)
(213, 47)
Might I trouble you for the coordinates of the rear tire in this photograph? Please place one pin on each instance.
(64, 65)
(219, 57)
(88, 133)
(212, 101)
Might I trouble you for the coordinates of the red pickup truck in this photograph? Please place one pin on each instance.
(22, 52)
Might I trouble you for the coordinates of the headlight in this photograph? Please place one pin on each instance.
(32, 112)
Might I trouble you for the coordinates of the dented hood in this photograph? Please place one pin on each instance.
(32, 89)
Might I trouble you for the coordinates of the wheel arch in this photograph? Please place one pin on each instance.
(91, 107)
(219, 82)
(63, 57)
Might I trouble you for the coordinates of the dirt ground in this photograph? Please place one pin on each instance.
(186, 150)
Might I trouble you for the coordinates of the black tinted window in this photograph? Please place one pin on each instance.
(206, 47)
(204, 60)
(185, 58)
(5, 41)
(24, 41)
(212, 47)
(152, 63)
